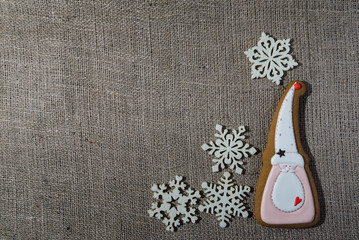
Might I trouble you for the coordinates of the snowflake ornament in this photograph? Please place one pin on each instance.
(175, 203)
(270, 58)
(229, 149)
(224, 199)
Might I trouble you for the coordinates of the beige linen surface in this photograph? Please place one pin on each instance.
(101, 99)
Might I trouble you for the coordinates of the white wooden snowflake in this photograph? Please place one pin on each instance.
(270, 58)
(224, 199)
(175, 203)
(229, 149)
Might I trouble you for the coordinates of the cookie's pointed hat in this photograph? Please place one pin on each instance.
(284, 139)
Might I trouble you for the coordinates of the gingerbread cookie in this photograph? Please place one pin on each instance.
(286, 195)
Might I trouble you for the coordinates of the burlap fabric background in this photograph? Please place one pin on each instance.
(101, 99)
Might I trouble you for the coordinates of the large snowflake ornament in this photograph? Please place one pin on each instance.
(175, 203)
(270, 58)
(229, 149)
(224, 199)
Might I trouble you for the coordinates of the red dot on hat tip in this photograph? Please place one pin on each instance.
(297, 86)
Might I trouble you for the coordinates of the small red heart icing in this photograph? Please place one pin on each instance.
(297, 201)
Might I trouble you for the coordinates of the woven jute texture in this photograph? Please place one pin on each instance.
(99, 100)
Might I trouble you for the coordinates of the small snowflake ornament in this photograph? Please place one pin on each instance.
(229, 149)
(270, 58)
(224, 199)
(175, 203)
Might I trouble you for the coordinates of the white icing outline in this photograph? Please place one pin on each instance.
(273, 191)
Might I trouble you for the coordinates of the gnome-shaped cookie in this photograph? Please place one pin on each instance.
(286, 195)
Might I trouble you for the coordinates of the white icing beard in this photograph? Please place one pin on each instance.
(287, 188)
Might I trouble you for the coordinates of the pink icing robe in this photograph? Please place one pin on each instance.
(305, 210)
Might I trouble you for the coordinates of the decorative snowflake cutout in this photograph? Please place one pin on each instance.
(229, 149)
(270, 58)
(174, 203)
(224, 199)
